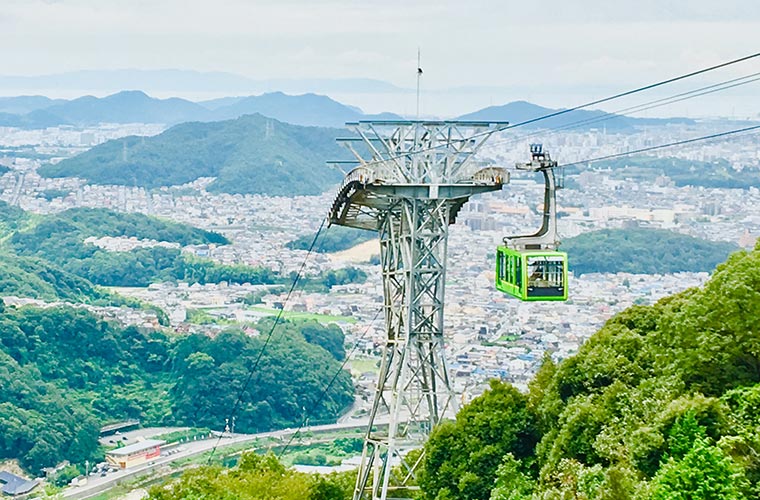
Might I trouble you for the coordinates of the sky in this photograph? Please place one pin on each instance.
(474, 53)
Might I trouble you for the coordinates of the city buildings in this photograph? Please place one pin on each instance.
(489, 335)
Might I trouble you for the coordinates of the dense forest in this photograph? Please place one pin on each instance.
(37, 278)
(64, 373)
(59, 239)
(663, 403)
(643, 251)
(334, 239)
(250, 155)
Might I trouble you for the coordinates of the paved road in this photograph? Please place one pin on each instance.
(131, 437)
(17, 188)
(98, 484)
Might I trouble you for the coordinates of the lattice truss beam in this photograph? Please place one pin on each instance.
(413, 387)
(409, 182)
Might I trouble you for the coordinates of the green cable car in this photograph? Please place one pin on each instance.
(532, 275)
(530, 267)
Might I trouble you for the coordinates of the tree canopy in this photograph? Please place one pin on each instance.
(64, 373)
(249, 155)
(643, 251)
(662, 402)
(256, 477)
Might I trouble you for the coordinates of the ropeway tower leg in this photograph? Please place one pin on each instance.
(413, 390)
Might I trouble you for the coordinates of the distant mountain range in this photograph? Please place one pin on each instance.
(26, 103)
(307, 109)
(33, 120)
(248, 155)
(522, 111)
(137, 107)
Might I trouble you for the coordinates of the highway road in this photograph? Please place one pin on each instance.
(98, 484)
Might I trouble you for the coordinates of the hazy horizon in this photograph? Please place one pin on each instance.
(482, 53)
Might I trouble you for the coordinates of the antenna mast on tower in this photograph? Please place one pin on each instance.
(419, 77)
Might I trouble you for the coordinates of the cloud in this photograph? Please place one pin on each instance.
(497, 43)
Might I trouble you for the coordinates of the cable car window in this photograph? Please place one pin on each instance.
(517, 266)
(503, 262)
(545, 272)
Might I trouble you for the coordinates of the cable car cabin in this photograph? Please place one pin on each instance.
(532, 274)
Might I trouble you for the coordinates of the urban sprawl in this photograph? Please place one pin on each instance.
(488, 334)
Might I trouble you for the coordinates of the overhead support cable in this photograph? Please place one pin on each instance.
(276, 322)
(636, 91)
(323, 396)
(585, 105)
(663, 146)
(710, 89)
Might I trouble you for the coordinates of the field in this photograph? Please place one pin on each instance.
(322, 318)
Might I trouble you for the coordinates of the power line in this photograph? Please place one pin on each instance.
(634, 91)
(581, 106)
(662, 146)
(725, 85)
(276, 322)
(329, 385)
(709, 89)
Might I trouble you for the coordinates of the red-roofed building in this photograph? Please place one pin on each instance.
(135, 454)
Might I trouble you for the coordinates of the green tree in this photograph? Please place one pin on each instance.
(511, 482)
(257, 477)
(462, 457)
(330, 337)
(704, 473)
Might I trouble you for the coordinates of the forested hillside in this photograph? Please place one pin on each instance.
(64, 373)
(710, 174)
(59, 239)
(38, 279)
(643, 251)
(46, 257)
(662, 403)
(334, 239)
(250, 155)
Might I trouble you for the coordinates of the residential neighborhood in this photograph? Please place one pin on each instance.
(488, 335)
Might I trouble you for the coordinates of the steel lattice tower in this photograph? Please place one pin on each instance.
(410, 180)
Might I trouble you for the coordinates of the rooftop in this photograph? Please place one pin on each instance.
(14, 485)
(137, 447)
